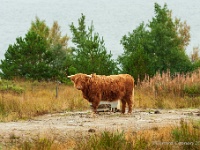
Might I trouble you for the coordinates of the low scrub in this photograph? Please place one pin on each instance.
(8, 86)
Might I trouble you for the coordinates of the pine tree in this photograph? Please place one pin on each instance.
(27, 58)
(90, 54)
(41, 55)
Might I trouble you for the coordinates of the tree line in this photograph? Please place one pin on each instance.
(44, 54)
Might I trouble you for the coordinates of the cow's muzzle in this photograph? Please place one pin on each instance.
(79, 87)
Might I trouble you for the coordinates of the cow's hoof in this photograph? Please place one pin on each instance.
(122, 114)
(129, 113)
(94, 115)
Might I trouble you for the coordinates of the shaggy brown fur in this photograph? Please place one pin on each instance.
(106, 88)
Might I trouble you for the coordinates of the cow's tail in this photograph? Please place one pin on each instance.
(133, 94)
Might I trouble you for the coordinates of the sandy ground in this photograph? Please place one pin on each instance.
(68, 124)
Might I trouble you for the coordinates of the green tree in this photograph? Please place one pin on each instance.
(158, 46)
(27, 58)
(134, 60)
(41, 55)
(57, 44)
(90, 54)
(168, 42)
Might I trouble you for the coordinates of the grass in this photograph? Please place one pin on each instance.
(105, 140)
(26, 99)
(186, 135)
(9, 86)
(39, 98)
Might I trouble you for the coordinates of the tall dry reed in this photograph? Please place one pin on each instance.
(164, 90)
(165, 83)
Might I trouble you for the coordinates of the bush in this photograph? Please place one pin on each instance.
(10, 87)
(192, 90)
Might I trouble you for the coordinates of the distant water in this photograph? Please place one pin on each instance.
(112, 19)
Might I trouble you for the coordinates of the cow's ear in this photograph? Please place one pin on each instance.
(93, 75)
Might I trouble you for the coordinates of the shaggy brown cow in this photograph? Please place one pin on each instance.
(106, 88)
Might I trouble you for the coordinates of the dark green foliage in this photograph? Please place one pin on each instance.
(60, 63)
(196, 64)
(28, 58)
(90, 54)
(157, 46)
(41, 55)
(135, 58)
(166, 44)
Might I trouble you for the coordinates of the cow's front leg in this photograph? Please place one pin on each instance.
(95, 105)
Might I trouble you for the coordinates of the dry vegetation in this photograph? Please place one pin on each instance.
(37, 98)
(186, 136)
(26, 99)
(164, 91)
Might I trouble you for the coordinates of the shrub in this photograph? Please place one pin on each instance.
(192, 90)
(6, 85)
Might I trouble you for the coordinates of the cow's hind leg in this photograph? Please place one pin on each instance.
(130, 105)
(123, 106)
(129, 101)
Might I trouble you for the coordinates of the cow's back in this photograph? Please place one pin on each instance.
(112, 87)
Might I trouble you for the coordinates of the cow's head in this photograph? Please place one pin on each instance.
(80, 80)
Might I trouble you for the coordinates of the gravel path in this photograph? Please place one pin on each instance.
(72, 124)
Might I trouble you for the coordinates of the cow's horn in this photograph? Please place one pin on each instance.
(89, 76)
(70, 76)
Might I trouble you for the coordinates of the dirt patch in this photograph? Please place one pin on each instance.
(68, 124)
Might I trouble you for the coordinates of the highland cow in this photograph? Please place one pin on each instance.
(106, 88)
